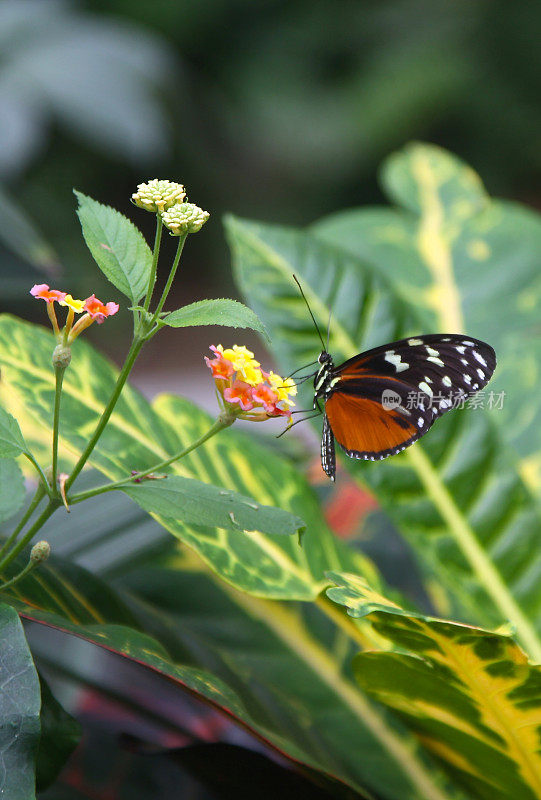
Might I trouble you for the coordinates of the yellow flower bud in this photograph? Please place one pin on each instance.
(184, 218)
(158, 195)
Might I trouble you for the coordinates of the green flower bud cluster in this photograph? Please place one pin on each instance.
(40, 552)
(184, 218)
(158, 195)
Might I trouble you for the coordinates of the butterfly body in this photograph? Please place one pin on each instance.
(381, 401)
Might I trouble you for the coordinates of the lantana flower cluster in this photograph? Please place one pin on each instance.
(247, 390)
(95, 310)
(168, 199)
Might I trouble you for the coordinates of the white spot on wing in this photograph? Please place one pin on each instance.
(479, 358)
(435, 360)
(467, 378)
(460, 349)
(420, 422)
(481, 374)
(414, 341)
(431, 351)
(396, 360)
(470, 344)
(446, 380)
(425, 388)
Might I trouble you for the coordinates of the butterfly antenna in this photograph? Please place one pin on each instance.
(305, 366)
(310, 310)
(329, 330)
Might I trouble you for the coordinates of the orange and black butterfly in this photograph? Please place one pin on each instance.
(381, 401)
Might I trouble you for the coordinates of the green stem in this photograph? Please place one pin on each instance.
(155, 255)
(20, 575)
(170, 279)
(482, 566)
(36, 500)
(42, 476)
(108, 410)
(41, 520)
(223, 421)
(59, 374)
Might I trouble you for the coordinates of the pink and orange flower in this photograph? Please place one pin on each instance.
(245, 389)
(96, 311)
(42, 291)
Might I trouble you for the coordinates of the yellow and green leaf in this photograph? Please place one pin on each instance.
(465, 263)
(470, 694)
(262, 663)
(457, 496)
(139, 436)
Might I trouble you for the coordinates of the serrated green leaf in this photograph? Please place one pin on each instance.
(457, 495)
(216, 312)
(470, 694)
(465, 262)
(19, 710)
(197, 503)
(118, 247)
(11, 439)
(60, 734)
(12, 490)
(139, 436)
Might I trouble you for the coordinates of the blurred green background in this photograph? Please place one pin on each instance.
(272, 109)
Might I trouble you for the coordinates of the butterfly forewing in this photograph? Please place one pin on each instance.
(383, 400)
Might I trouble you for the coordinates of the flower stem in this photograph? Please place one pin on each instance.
(59, 374)
(223, 421)
(154, 267)
(43, 517)
(170, 280)
(36, 500)
(42, 476)
(20, 575)
(108, 410)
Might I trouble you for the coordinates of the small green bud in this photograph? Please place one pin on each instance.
(61, 357)
(40, 552)
(184, 218)
(158, 195)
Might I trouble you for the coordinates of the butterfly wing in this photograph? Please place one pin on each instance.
(383, 400)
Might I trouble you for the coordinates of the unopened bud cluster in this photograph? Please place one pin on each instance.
(40, 552)
(167, 199)
(158, 195)
(184, 218)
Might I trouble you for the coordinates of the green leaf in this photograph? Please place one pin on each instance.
(216, 312)
(12, 492)
(118, 247)
(11, 439)
(464, 262)
(139, 436)
(19, 234)
(456, 496)
(266, 665)
(470, 694)
(19, 710)
(60, 734)
(198, 503)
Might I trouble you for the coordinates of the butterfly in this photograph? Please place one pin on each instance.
(381, 401)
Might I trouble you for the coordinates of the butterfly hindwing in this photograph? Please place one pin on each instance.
(383, 400)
